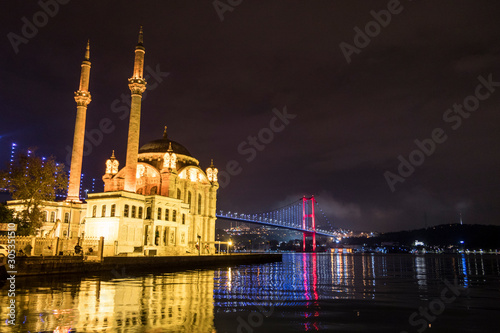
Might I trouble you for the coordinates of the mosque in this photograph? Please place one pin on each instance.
(159, 203)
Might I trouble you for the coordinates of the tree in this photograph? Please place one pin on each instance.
(7, 216)
(33, 180)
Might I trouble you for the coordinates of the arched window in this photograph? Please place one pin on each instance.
(154, 189)
(148, 213)
(66, 217)
(174, 215)
(103, 211)
(159, 214)
(178, 193)
(94, 211)
(189, 199)
(45, 216)
(139, 191)
(52, 216)
(183, 218)
(134, 209)
(199, 204)
(113, 210)
(140, 213)
(167, 214)
(125, 211)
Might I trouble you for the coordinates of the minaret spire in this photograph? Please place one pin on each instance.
(85, 73)
(82, 99)
(137, 86)
(87, 51)
(141, 37)
(139, 57)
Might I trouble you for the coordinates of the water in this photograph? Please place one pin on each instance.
(304, 293)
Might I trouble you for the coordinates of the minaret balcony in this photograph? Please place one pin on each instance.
(82, 98)
(137, 85)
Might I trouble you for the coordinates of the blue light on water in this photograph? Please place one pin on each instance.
(464, 271)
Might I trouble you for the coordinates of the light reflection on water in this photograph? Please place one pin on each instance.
(305, 292)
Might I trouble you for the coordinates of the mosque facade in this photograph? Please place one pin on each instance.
(161, 202)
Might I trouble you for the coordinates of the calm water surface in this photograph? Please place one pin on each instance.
(305, 292)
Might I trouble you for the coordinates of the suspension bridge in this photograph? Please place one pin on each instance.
(299, 215)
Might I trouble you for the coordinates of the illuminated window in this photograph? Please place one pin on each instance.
(174, 215)
(148, 213)
(183, 218)
(199, 204)
(125, 211)
(66, 218)
(140, 213)
(167, 214)
(45, 216)
(113, 210)
(52, 216)
(94, 211)
(159, 214)
(134, 209)
(103, 211)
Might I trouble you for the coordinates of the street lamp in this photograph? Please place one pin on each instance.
(229, 247)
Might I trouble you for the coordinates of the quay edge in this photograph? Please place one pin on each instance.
(53, 265)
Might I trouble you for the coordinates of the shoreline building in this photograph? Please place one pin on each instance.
(160, 203)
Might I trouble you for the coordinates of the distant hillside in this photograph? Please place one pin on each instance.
(474, 236)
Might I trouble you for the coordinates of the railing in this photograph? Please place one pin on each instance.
(91, 248)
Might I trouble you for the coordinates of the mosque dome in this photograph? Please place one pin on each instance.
(162, 145)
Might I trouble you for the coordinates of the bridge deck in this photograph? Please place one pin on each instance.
(284, 226)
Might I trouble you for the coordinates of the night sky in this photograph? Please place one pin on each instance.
(215, 83)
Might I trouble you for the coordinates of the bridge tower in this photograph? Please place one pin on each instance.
(308, 215)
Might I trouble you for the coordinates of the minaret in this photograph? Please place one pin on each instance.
(169, 170)
(82, 98)
(137, 86)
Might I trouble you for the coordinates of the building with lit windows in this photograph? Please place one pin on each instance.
(172, 210)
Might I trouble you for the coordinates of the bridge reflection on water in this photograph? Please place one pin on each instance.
(305, 292)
